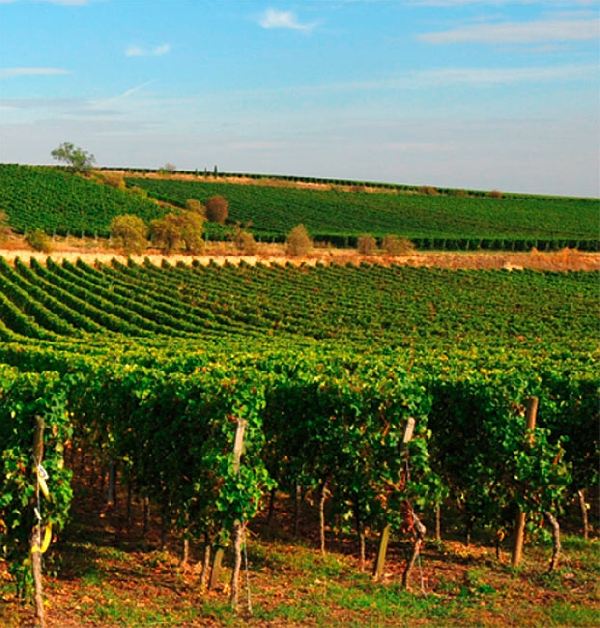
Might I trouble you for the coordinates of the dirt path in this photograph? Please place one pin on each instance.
(221, 253)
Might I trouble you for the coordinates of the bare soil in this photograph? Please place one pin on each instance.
(91, 251)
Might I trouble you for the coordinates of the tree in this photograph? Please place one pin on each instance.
(217, 209)
(298, 241)
(77, 159)
(174, 230)
(129, 233)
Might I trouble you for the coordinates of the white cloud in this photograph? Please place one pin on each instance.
(272, 18)
(518, 32)
(137, 51)
(15, 72)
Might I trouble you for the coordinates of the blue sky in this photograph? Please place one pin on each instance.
(479, 94)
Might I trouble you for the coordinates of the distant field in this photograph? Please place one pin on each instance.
(62, 203)
(341, 216)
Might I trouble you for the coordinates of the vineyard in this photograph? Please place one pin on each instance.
(384, 400)
(431, 222)
(61, 203)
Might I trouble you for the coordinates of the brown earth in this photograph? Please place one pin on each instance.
(90, 251)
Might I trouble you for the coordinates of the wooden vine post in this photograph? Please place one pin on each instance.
(531, 416)
(237, 533)
(385, 533)
(35, 539)
(215, 572)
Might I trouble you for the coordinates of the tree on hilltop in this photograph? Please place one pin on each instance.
(77, 159)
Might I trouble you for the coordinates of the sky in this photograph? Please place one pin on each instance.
(475, 94)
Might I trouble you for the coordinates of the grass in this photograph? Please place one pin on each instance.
(108, 576)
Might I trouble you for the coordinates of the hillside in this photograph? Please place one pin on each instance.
(62, 203)
(339, 214)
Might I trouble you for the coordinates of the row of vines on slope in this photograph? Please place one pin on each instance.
(309, 424)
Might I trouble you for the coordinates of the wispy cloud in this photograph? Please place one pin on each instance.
(15, 72)
(518, 32)
(138, 51)
(272, 18)
(110, 101)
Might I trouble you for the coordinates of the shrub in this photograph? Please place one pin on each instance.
(5, 229)
(136, 189)
(393, 245)
(114, 179)
(39, 240)
(298, 241)
(495, 194)
(129, 233)
(194, 205)
(367, 244)
(429, 190)
(217, 209)
(244, 242)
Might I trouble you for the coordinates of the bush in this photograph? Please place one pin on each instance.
(39, 241)
(298, 241)
(428, 190)
(194, 205)
(114, 179)
(217, 209)
(129, 233)
(367, 245)
(393, 245)
(495, 194)
(5, 229)
(244, 242)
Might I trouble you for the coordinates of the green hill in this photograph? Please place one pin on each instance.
(441, 221)
(60, 202)
(57, 201)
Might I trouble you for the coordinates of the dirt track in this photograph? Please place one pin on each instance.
(274, 254)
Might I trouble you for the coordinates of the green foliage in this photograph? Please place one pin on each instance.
(61, 202)
(129, 233)
(183, 229)
(326, 364)
(25, 396)
(335, 215)
(77, 159)
(39, 241)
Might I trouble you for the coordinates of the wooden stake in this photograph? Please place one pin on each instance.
(381, 553)
(531, 416)
(35, 539)
(237, 534)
